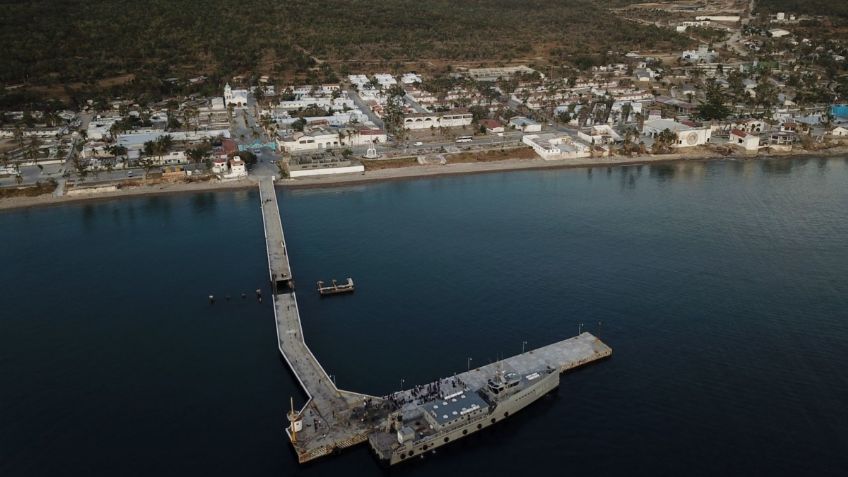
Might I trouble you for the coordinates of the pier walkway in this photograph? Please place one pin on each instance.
(333, 419)
(328, 420)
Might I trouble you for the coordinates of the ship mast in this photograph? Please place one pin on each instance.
(292, 418)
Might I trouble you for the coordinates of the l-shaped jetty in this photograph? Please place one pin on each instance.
(333, 419)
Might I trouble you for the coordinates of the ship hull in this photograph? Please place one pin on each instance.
(502, 411)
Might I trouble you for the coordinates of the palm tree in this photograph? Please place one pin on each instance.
(33, 149)
(18, 134)
(626, 109)
(664, 141)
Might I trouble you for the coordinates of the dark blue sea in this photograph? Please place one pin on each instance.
(722, 288)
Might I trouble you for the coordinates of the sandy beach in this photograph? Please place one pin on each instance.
(403, 173)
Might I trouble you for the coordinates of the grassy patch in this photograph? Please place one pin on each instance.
(379, 164)
(493, 155)
(28, 191)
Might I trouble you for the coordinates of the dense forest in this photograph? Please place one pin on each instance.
(90, 44)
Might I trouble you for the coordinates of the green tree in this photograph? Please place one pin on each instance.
(80, 167)
(664, 142)
(626, 109)
(199, 153)
(146, 161)
(393, 118)
(33, 149)
(713, 107)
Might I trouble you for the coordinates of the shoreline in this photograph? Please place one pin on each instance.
(48, 200)
(404, 173)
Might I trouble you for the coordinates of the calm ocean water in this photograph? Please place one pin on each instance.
(721, 287)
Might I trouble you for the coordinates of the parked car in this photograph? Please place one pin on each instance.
(419, 143)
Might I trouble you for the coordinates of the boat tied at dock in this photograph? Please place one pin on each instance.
(457, 410)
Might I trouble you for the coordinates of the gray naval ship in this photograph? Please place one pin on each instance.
(442, 412)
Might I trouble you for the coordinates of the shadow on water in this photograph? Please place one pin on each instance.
(204, 202)
(158, 204)
(89, 216)
(821, 165)
(663, 172)
(628, 178)
(780, 166)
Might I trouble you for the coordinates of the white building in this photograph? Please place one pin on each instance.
(449, 119)
(745, 140)
(599, 134)
(358, 80)
(554, 146)
(236, 97)
(314, 140)
(839, 131)
(719, 18)
(410, 78)
(363, 137)
(703, 53)
(137, 138)
(214, 115)
(98, 128)
(494, 74)
(688, 134)
(303, 102)
(172, 158)
(307, 170)
(229, 169)
(385, 80)
(237, 170)
(779, 33)
(525, 124)
(644, 74)
(635, 107)
(219, 165)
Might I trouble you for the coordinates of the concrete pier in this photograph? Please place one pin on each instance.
(333, 419)
(328, 421)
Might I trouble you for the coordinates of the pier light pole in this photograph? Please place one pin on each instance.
(333, 377)
(468, 364)
(523, 344)
(401, 384)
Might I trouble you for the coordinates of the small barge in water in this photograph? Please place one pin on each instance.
(335, 288)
